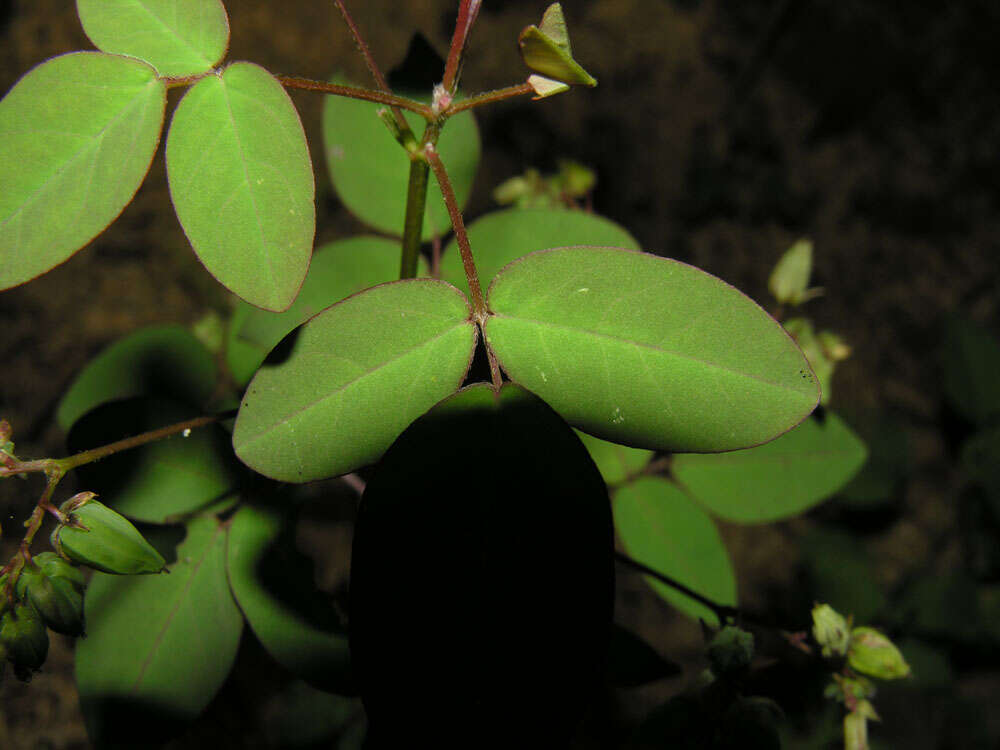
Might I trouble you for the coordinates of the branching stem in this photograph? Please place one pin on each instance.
(354, 92)
(55, 469)
(489, 97)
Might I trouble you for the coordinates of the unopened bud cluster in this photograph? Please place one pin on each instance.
(46, 590)
(48, 593)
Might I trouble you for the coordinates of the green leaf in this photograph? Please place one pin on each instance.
(77, 135)
(177, 37)
(782, 478)
(503, 236)
(370, 170)
(341, 388)
(158, 647)
(338, 270)
(242, 183)
(166, 361)
(475, 564)
(161, 480)
(275, 590)
(662, 528)
(646, 351)
(615, 462)
(971, 360)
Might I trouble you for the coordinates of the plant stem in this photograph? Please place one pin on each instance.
(51, 466)
(354, 92)
(413, 224)
(373, 68)
(461, 236)
(722, 611)
(489, 97)
(95, 454)
(467, 12)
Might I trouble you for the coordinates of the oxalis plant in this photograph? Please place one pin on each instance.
(487, 424)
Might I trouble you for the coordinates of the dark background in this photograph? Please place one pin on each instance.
(720, 133)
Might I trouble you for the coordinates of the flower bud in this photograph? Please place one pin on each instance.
(54, 566)
(830, 630)
(23, 637)
(104, 540)
(731, 651)
(873, 654)
(57, 600)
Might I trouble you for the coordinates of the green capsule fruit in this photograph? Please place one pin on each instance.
(23, 637)
(104, 540)
(872, 653)
(54, 566)
(57, 600)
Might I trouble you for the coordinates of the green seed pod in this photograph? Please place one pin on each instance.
(54, 566)
(57, 600)
(97, 536)
(23, 637)
(873, 654)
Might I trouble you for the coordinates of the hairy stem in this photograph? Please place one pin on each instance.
(373, 68)
(467, 12)
(461, 236)
(353, 92)
(489, 97)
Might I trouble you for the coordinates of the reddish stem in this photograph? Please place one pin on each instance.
(489, 97)
(373, 68)
(467, 13)
(353, 92)
(461, 236)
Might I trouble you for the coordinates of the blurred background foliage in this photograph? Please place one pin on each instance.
(719, 134)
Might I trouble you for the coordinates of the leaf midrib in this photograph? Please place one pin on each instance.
(161, 634)
(93, 142)
(175, 34)
(339, 389)
(641, 345)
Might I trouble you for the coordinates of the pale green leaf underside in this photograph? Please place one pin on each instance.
(370, 170)
(615, 462)
(242, 184)
(662, 528)
(318, 654)
(348, 382)
(165, 361)
(77, 135)
(338, 270)
(177, 37)
(646, 351)
(776, 480)
(503, 236)
(163, 642)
